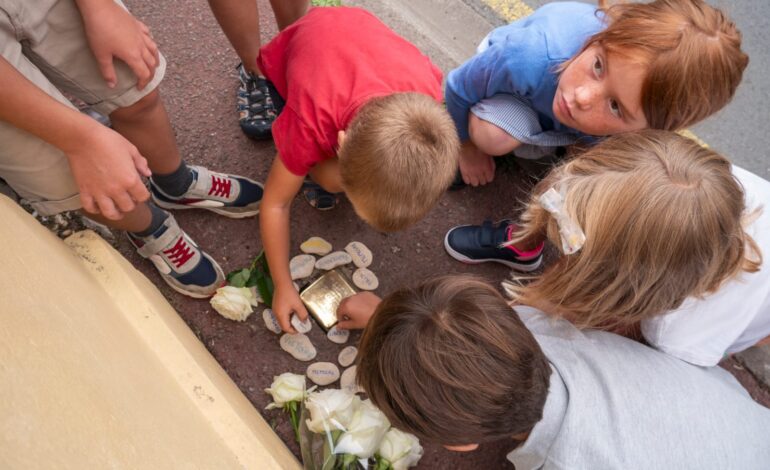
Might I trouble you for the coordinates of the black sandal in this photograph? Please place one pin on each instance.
(319, 198)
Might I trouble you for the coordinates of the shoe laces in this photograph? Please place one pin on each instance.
(220, 186)
(180, 253)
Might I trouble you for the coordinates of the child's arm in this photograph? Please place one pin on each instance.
(106, 167)
(355, 311)
(501, 69)
(275, 208)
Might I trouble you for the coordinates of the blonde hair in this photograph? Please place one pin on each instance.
(692, 53)
(400, 155)
(663, 219)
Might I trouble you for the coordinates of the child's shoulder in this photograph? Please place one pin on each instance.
(560, 28)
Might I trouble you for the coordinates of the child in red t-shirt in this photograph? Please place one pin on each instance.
(363, 116)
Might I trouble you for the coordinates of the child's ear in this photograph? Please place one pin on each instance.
(340, 138)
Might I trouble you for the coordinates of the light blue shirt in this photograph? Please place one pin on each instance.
(521, 59)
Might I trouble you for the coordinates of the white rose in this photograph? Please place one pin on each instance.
(233, 302)
(285, 388)
(401, 449)
(365, 432)
(331, 409)
(256, 299)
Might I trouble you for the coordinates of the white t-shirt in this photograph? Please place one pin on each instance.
(737, 316)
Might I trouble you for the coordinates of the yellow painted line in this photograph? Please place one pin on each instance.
(509, 10)
(512, 10)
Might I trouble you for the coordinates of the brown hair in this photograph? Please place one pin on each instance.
(692, 53)
(400, 154)
(451, 362)
(663, 218)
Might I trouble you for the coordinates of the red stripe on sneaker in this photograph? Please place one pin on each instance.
(180, 253)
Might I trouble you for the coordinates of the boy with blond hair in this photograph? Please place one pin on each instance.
(452, 363)
(363, 116)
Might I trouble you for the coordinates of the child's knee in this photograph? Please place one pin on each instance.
(146, 104)
(327, 176)
(489, 138)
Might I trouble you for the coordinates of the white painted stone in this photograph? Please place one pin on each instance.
(316, 246)
(365, 279)
(337, 335)
(301, 326)
(348, 380)
(299, 346)
(323, 373)
(301, 266)
(270, 321)
(347, 356)
(362, 256)
(332, 260)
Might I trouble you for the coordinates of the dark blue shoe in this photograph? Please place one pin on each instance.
(184, 266)
(474, 244)
(229, 195)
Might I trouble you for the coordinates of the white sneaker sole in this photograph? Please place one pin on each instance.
(220, 211)
(524, 268)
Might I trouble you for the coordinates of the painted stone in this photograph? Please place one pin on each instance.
(316, 246)
(301, 266)
(323, 373)
(365, 279)
(332, 260)
(362, 256)
(301, 326)
(299, 346)
(347, 356)
(337, 335)
(348, 380)
(270, 321)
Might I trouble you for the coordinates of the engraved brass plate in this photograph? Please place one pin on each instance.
(323, 296)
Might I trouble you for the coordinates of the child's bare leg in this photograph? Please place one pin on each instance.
(489, 138)
(327, 175)
(135, 221)
(239, 19)
(486, 141)
(288, 11)
(146, 125)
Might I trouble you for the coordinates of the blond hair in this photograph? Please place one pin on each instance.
(663, 219)
(400, 155)
(692, 53)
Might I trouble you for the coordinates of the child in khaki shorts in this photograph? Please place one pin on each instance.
(59, 159)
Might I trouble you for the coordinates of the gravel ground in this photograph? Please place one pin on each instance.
(199, 90)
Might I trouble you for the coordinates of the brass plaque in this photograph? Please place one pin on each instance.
(323, 296)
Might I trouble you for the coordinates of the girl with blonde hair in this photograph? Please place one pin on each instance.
(658, 231)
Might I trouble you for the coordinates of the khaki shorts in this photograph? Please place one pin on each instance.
(45, 41)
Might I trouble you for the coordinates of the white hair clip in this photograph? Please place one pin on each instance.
(572, 236)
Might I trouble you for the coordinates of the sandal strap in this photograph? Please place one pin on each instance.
(158, 244)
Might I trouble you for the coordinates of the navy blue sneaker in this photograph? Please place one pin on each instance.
(183, 265)
(474, 244)
(229, 195)
(258, 105)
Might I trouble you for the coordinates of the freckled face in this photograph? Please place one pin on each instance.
(600, 94)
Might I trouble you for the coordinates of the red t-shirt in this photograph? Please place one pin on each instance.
(326, 65)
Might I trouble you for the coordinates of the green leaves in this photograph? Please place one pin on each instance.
(257, 275)
(326, 3)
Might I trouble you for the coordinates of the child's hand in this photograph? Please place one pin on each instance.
(355, 311)
(477, 167)
(113, 33)
(285, 302)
